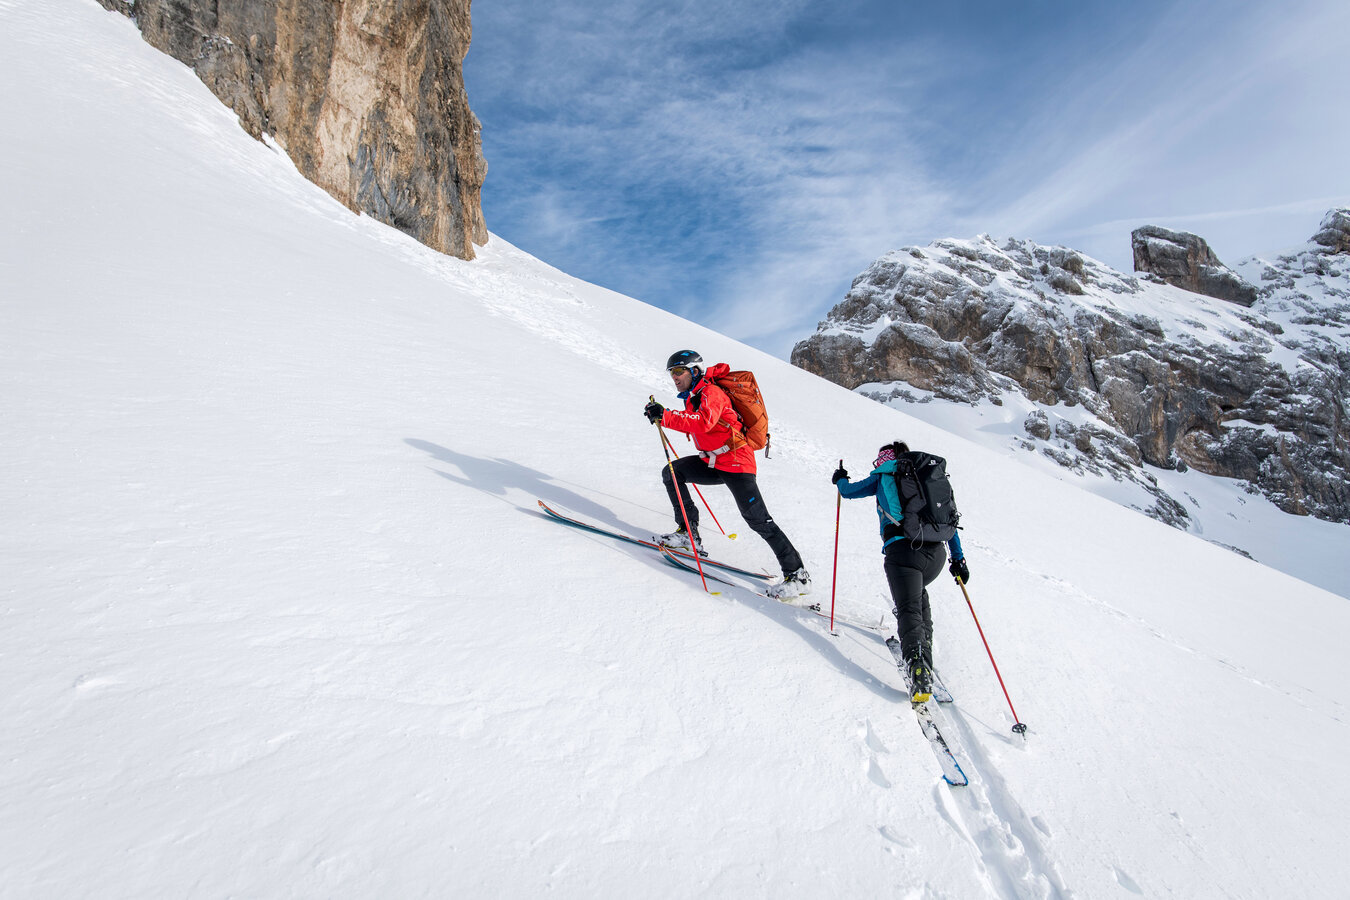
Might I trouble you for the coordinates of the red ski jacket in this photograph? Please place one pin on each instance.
(710, 420)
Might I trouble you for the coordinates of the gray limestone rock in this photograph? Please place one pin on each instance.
(1170, 379)
(1185, 260)
(1334, 232)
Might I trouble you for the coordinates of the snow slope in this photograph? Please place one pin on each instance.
(280, 615)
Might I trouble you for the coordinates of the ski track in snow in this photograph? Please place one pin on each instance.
(1009, 841)
(1008, 846)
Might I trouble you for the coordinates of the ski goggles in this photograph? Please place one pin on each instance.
(677, 371)
(886, 455)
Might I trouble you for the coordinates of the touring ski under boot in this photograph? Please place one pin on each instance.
(792, 588)
(679, 540)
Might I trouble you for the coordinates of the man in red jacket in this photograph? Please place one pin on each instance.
(722, 459)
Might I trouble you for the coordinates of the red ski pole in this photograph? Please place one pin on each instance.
(670, 464)
(834, 579)
(1019, 727)
(667, 443)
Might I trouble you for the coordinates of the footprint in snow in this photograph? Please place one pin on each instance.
(1127, 882)
(870, 738)
(874, 772)
(890, 834)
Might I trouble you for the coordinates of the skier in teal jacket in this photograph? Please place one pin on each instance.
(910, 566)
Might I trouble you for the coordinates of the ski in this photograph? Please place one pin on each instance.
(814, 609)
(577, 523)
(939, 690)
(951, 769)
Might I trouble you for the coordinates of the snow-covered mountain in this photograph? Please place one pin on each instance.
(281, 616)
(1204, 413)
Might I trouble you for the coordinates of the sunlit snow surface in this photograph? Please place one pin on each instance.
(280, 616)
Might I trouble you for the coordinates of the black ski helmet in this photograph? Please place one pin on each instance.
(687, 358)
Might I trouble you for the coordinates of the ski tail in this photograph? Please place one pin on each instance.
(609, 532)
(940, 692)
(952, 772)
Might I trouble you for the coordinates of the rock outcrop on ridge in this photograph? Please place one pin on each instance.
(1185, 260)
(367, 97)
(1133, 372)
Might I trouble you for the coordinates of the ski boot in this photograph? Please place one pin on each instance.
(679, 540)
(920, 681)
(793, 587)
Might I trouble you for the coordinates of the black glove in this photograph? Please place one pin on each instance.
(653, 411)
(839, 475)
(960, 570)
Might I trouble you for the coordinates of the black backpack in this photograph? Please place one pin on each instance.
(925, 497)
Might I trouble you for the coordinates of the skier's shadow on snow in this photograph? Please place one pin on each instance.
(497, 476)
(828, 648)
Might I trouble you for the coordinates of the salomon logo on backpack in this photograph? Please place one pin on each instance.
(925, 497)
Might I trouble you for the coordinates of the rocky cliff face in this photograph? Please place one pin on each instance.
(1185, 260)
(1122, 370)
(366, 96)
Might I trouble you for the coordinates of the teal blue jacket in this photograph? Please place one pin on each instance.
(881, 484)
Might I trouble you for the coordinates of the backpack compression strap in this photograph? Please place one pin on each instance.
(735, 425)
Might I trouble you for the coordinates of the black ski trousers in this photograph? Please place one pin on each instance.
(910, 568)
(745, 489)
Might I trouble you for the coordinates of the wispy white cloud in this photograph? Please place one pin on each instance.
(771, 173)
(730, 163)
(1225, 120)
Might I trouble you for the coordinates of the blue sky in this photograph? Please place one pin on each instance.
(739, 163)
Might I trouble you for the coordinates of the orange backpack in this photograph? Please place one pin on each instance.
(748, 403)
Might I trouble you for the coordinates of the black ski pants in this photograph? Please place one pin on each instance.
(910, 568)
(744, 489)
